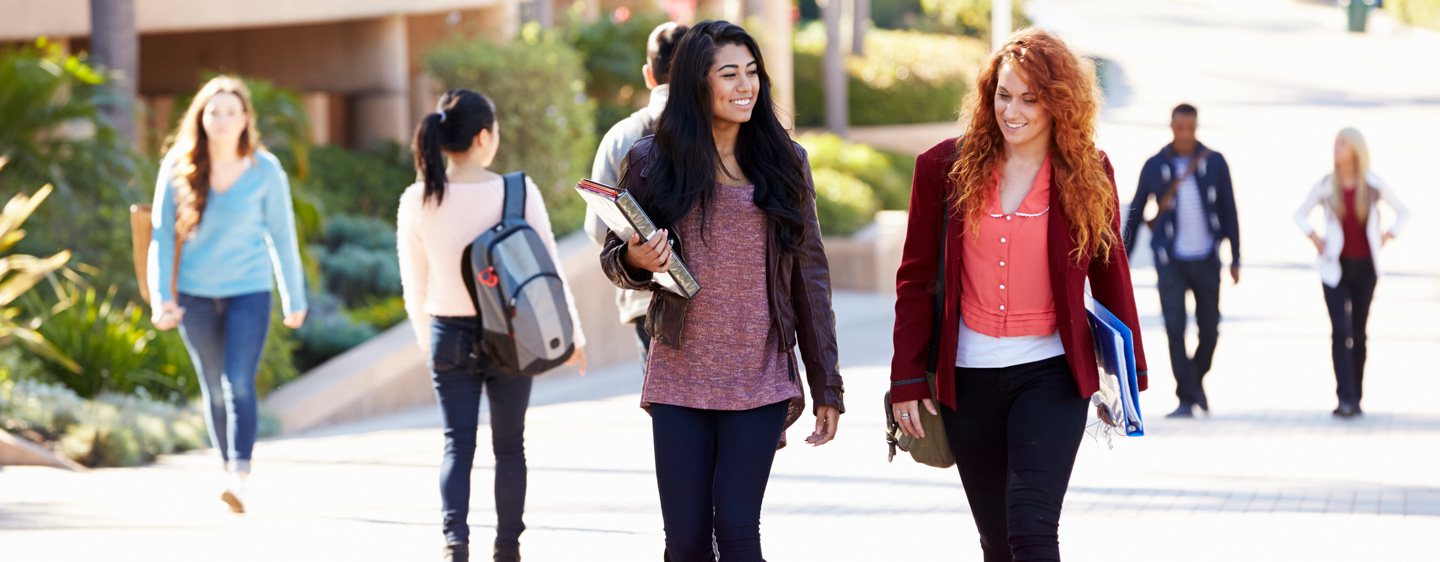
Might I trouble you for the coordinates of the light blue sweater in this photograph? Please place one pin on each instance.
(245, 235)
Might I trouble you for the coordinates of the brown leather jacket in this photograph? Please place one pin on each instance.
(799, 287)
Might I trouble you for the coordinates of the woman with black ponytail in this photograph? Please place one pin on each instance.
(733, 197)
(439, 215)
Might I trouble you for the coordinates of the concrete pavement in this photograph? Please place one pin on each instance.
(1269, 476)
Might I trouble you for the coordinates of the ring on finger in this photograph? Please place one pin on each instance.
(904, 416)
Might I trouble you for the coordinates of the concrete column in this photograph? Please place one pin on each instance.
(383, 112)
(1000, 26)
(542, 11)
(317, 108)
(778, 47)
(862, 24)
(837, 105)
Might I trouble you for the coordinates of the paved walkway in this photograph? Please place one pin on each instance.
(1269, 476)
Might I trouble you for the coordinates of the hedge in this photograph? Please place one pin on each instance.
(904, 77)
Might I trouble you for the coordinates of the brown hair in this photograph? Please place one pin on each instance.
(1067, 89)
(191, 173)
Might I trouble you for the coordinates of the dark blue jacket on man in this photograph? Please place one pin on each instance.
(1217, 195)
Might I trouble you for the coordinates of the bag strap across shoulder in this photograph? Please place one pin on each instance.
(932, 362)
(515, 195)
(1163, 202)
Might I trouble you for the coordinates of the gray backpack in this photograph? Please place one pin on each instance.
(525, 324)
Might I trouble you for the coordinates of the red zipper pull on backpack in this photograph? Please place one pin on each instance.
(488, 277)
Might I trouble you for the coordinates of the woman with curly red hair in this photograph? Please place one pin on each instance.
(1020, 211)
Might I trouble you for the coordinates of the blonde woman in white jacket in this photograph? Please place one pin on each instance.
(1349, 256)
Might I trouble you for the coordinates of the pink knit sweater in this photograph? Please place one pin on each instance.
(431, 239)
(730, 358)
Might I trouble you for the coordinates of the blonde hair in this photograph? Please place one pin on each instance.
(191, 175)
(1068, 90)
(1361, 151)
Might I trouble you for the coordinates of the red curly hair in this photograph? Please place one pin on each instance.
(1067, 89)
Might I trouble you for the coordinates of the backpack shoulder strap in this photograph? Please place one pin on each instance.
(515, 195)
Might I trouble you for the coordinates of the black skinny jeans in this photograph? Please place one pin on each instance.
(460, 375)
(712, 467)
(1015, 433)
(1349, 304)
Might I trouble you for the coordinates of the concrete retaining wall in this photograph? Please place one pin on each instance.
(388, 373)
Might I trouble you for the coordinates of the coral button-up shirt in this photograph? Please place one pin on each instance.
(1006, 276)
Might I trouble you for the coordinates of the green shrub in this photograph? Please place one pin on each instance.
(845, 204)
(16, 364)
(968, 17)
(614, 52)
(1423, 13)
(277, 361)
(904, 77)
(109, 430)
(51, 131)
(359, 182)
(358, 259)
(894, 14)
(547, 123)
(887, 174)
(380, 313)
(110, 340)
(328, 332)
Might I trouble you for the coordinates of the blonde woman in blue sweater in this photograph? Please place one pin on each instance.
(226, 201)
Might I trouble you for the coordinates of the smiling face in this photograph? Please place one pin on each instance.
(224, 118)
(1023, 120)
(734, 84)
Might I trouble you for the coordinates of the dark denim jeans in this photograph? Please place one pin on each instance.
(1349, 305)
(712, 467)
(1202, 278)
(460, 375)
(1015, 433)
(225, 337)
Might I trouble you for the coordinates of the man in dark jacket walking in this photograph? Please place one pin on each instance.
(613, 148)
(1196, 201)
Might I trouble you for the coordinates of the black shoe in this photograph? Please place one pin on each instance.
(457, 552)
(1184, 411)
(1347, 411)
(507, 552)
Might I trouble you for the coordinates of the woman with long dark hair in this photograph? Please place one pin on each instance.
(1029, 209)
(1348, 256)
(733, 197)
(456, 199)
(226, 200)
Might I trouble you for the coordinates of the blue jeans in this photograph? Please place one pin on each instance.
(460, 375)
(712, 467)
(225, 337)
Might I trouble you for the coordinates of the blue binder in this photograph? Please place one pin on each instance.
(1119, 394)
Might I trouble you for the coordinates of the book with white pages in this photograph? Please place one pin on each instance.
(1119, 394)
(623, 215)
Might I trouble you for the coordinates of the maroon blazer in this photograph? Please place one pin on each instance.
(915, 288)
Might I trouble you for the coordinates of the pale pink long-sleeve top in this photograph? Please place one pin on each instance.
(431, 239)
